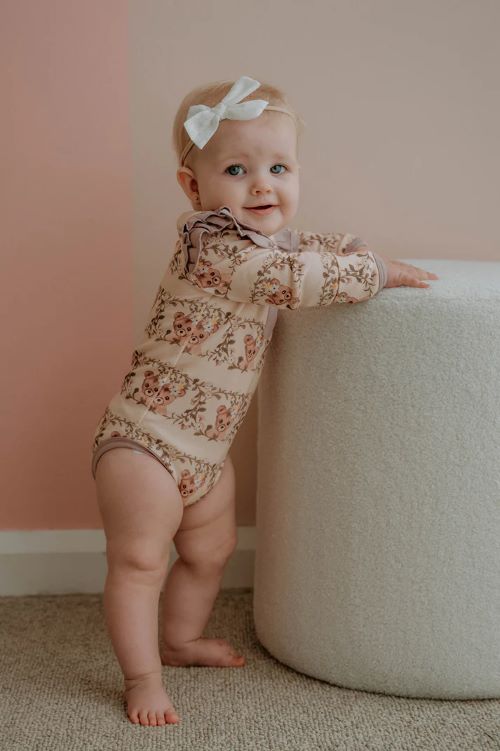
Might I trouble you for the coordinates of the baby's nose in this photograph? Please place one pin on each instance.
(261, 187)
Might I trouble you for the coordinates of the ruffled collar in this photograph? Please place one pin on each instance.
(286, 238)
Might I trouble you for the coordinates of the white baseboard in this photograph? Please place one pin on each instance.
(70, 561)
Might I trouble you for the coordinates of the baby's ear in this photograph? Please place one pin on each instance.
(187, 180)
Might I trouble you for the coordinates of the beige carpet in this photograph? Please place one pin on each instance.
(61, 691)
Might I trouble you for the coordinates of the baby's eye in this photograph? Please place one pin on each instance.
(278, 165)
(233, 167)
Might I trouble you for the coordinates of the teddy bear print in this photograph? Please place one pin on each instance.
(222, 425)
(206, 276)
(157, 395)
(251, 349)
(199, 335)
(188, 484)
(190, 333)
(183, 325)
(182, 328)
(280, 294)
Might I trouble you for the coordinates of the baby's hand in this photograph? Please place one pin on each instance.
(401, 274)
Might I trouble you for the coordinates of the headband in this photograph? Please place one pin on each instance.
(203, 121)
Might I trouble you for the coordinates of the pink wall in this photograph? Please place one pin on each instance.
(385, 156)
(66, 225)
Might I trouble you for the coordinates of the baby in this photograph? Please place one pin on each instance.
(160, 454)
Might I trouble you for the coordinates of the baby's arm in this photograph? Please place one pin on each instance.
(393, 273)
(227, 259)
(340, 244)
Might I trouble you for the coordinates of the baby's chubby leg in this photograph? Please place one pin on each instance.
(141, 509)
(204, 541)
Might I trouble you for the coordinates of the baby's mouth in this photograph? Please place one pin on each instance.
(264, 209)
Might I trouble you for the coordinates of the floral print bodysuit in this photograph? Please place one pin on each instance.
(192, 378)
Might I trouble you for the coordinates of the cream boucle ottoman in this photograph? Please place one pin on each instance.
(378, 508)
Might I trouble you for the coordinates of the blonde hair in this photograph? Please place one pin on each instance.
(211, 94)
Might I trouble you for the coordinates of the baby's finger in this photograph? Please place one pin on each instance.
(415, 272)
(411, 281)
(427, 274)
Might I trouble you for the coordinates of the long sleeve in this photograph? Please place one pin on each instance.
(225, 258)
(340, 244)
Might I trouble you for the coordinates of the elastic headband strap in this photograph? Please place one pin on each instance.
(190, 143)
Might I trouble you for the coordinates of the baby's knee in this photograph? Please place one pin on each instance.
(209, 556)
(143, 560)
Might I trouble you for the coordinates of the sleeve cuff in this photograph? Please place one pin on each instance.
(382, 270)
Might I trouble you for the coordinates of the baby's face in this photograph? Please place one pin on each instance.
(249, 164)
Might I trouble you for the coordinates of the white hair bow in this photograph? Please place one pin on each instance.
(203, 121)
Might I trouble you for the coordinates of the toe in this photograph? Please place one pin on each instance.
(160, 719)
(152, 718)
(171, 716)
(143, 717)
(236, 656)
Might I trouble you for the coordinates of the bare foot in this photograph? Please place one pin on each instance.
(147, 701)
(202, 651)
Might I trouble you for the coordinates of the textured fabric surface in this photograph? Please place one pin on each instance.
(62, 691)
(378, 511)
